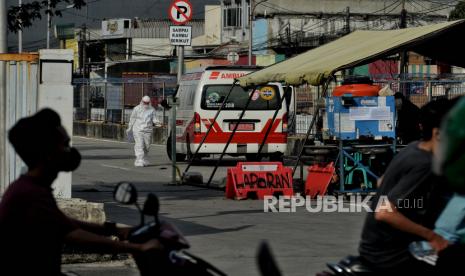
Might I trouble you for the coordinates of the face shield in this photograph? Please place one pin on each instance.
(146, 102)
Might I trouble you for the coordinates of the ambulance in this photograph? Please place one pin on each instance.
(200, 95)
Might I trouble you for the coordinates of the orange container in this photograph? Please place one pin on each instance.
(357, 90)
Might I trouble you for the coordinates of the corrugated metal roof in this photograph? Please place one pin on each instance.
(160, 28)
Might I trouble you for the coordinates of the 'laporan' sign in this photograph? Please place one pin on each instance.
(267, 180)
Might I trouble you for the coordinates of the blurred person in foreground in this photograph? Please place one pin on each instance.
(449, 161)
(415, 197)
(32, 228)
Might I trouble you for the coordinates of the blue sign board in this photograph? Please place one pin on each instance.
(351, 118)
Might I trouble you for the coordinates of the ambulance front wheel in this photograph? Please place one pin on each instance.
(179, 156)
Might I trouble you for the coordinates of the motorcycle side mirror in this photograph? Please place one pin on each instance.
(151, 205)
(125, 193)
(266, 261)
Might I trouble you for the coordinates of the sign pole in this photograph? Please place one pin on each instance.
(180, 13)
(180, 63)
(173, 114)
(173, 142)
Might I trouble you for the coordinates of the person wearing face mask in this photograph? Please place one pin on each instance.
(141, 125)
(414, 198)
(32, 228)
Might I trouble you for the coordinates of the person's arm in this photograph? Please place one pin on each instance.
(379, 182)
(106, 229)
(155, 120)
(132, 119)
(388, 213)
(107, 245)
(417, 178)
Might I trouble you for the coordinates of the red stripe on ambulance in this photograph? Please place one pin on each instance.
(220, 137)
(214, 75)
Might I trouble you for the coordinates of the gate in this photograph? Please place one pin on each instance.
(18, 99)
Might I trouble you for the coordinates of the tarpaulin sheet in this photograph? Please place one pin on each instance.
(438, 41)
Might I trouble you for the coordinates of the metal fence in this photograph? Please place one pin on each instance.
(112, 100)
(424, 91)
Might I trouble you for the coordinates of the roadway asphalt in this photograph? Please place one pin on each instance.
(225, 232)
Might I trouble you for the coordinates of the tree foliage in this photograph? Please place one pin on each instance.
(458, 12)
(20, 17)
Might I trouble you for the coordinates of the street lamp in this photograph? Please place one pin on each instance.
(251, 15)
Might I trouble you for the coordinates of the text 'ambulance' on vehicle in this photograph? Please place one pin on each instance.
(201, 94)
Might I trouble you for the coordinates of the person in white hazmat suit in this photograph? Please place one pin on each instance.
(141, 125)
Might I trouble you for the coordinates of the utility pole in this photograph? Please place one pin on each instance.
(20, 33)
(347, 26)
(84, 43)
(251, 12)
(49, 23)
(3, 49)
(403, 16)
(403, 54)
(244, 18)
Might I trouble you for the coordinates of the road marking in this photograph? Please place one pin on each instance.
(112, 141)
(115, 167)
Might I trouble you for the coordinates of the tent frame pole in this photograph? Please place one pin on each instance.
(268, 130)
(191, 160)
(312, 123)
(231, 136)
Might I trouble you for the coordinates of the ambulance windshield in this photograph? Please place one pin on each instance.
(263, 98)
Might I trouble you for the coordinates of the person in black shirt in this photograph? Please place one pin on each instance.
(32, 228)
(411, 191)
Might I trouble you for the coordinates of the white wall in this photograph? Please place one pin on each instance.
(56, 92)
(212, 25)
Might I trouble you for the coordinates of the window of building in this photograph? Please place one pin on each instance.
(232, 14)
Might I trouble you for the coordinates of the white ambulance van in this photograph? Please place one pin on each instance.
(200, 95)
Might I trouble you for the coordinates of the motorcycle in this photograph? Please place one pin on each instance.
(173, 259)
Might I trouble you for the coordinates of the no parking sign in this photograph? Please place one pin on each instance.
(180, 12)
